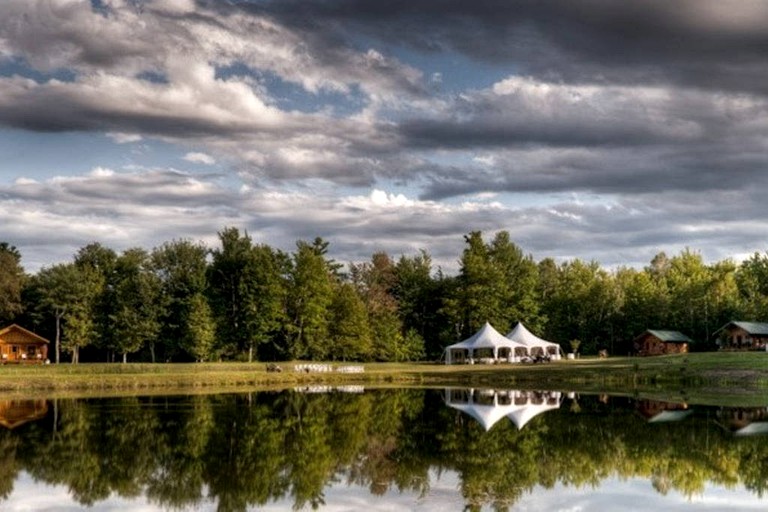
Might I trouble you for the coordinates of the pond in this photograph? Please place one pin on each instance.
(405, 449)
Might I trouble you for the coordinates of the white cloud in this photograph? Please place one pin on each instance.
(200, 158)
(124, 138)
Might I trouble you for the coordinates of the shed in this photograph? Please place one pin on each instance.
(741, 335)
(655, 342)
(18, 345)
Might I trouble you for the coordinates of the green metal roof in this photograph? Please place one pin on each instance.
(670, 336)
(758, 328)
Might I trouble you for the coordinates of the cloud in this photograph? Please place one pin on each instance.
(200, 158)
(124, 138)
(316, 111)
(121, 209)
(534, 132)
(689, 42)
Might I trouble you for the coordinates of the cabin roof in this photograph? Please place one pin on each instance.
(668, 336)
(758, 328)
(15, 327)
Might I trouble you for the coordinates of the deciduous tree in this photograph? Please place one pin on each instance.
(11, 282)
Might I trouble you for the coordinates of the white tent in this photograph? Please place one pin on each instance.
(522, 335)
(486, 338)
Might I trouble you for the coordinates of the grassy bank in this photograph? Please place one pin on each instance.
(705, 375)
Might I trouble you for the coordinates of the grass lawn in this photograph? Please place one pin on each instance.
(706, 376)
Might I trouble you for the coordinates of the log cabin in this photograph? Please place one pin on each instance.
(654, 342)
(18, 345)
(737, 335)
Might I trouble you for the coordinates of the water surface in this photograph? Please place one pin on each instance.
(348, 449)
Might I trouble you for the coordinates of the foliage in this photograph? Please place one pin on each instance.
(260, 302)
(181, 269)
(310, 294)
(134, 318)
(348, 332)
(12, 279)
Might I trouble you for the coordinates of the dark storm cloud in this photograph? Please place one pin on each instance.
(621, 127)
(718, 44)
(700, 169)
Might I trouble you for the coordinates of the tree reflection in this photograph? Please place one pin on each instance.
(247, 450)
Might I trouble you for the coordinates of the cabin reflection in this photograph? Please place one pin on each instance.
(655, 411)
(14, 413)
(744, 421)
(489, 406)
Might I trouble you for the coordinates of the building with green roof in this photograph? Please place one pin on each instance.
(738, 335)
(654, 342)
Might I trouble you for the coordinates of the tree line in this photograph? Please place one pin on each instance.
(183, 301)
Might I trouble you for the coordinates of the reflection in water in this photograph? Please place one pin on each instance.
(14, 413)
(744, 421)
(488, 406)
(246, 451)
(662, 412)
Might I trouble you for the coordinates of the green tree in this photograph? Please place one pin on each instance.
(752, 281)
(519, 283)
(134, 316)
(723, 302)
(69, 293)
(267, 285)
(376, 281)
(480, 289)
(310, 293)
(420, 301)
(200, 332)
(497, 283)
(55, 288)
(644, 306)
(229, 289)
(688, 280)
(348, 331)
(181, 268)
(99, 263)
(12, 279)
(584, 304)
(247, 292)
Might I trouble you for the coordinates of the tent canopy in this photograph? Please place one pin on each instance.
(487, 337)
(525, 337)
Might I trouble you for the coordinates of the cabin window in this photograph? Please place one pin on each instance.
(14, 349)
(31, 351)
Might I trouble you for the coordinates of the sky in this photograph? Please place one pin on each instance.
(620, 495)
(589, 129)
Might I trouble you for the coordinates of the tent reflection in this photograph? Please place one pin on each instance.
(489, 406)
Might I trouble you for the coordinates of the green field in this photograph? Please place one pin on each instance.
(703, 377)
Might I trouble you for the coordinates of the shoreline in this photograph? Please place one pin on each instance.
(690, 377)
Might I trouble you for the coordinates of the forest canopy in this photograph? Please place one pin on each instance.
(243, 300)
